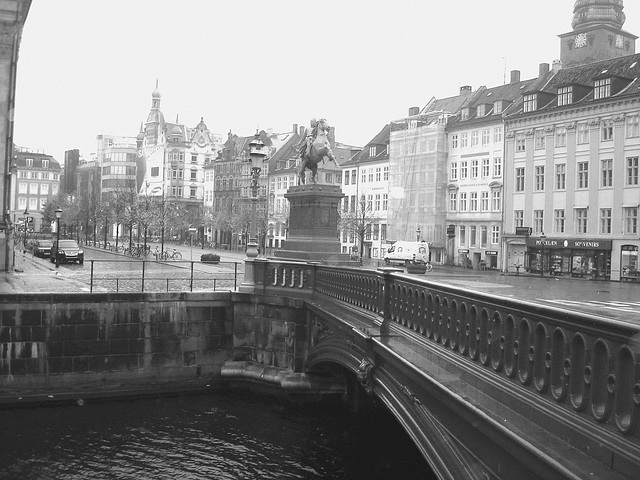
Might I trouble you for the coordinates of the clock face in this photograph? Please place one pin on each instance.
(619, 41)
(580, 40)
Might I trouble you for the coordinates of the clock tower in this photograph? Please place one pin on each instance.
(597, 33)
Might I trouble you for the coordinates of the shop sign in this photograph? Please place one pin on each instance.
(523, 230)
(569, 243)
(463, 250)
(492, 252)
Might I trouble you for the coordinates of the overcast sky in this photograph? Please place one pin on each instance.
(88, 67)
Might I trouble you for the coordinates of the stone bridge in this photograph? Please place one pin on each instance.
(487, 387)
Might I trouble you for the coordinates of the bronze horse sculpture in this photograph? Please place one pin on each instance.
(320, 150)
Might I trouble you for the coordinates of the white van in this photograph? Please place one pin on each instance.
(405, 252)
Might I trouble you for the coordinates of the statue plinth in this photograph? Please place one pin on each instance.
(313, 225)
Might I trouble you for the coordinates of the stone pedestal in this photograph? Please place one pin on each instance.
(313, 225)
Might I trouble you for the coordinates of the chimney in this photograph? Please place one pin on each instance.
(302, 130)
(295, 128)
(543, 70)
(557, 66)
(414, 111)
(465, 90)
(515, 76)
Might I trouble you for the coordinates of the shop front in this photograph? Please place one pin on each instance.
(577, 258)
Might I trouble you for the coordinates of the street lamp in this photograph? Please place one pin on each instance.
(257, 154)
(58, 217)
(192, 230)
(202, 235)
(26, 226)
(418, 234)
(543, 237)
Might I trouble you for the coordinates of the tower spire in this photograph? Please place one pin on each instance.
(587, 13)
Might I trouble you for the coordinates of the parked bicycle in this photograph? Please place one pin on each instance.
(167, 255)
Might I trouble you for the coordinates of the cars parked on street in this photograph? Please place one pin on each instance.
(66, 252)
(42, 248)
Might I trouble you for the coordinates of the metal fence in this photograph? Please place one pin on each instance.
(159, 276)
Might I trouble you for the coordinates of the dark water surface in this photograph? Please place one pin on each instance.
(232, 436)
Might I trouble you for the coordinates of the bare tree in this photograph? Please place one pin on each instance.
(359, 221)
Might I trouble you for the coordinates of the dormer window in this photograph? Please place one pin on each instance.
(45, 163)
(565, 96)
(29, 162)
(530, 102)
(602, 88)
(464, 114)
(372, 151)
(482, 110)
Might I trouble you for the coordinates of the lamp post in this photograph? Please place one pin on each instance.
(58, 217)
(256, 154)
(26, 226)
(192, 230)
(202, 235)
(542, 240)
(418, 234)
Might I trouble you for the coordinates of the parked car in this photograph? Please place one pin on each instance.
(42, 248)
(67, 251)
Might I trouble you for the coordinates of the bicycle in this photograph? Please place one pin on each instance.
(429, 266)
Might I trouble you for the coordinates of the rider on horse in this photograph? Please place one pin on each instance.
(311, 136)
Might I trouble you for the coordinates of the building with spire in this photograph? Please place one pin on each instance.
(171, 161)
(597, 33)
(572, 144)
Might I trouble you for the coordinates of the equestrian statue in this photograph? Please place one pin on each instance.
(315, 148)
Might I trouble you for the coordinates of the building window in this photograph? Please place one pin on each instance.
(472, 236)
(605, 220)
(561, 136)
(473, 202)
(497, 134)
(463, 201)
(581, 220)
(192, 192)
(378, 202)
(496, 201)
(385, 174)
(194, 174)
(539, 178)
(474, 168)
(558, 221)
(520, 179)
(530, 103)
(385, 201)
(453, 201)
(630, 220)
(484, 201)
(363, 176)
(632, 171)
(480, 110)
(565, 96)
(462, 235)
(372, 151)
(474, 138)
(602, 88)
(495, 235)
(483, 237)
(346, 177)
(464, 170)
(485, 136)
(538, 221)
(520, 142)
(464, 140)
(486, 167)
(371, 173)
(29, 162)
(606, 171)
(561, 176)
(354, 177)
(497, 167)
(378, 174)
(497, 107)
(583, 175)
(454, 140)
(328, 177)
(454, 171)
(518, 218)
(583, 134)
(607, 130)
(539, 140)
(45, 163)
(633, 126)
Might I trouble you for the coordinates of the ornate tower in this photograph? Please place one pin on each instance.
(597, 33)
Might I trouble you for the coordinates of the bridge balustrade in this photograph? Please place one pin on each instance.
(585, 363)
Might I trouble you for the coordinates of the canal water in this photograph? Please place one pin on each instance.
(221, 436)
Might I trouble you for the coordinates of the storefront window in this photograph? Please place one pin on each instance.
(629, 261)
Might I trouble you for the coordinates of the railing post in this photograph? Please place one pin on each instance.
(91, 281)
(384, 296)
(143, 264)
(191, 279)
